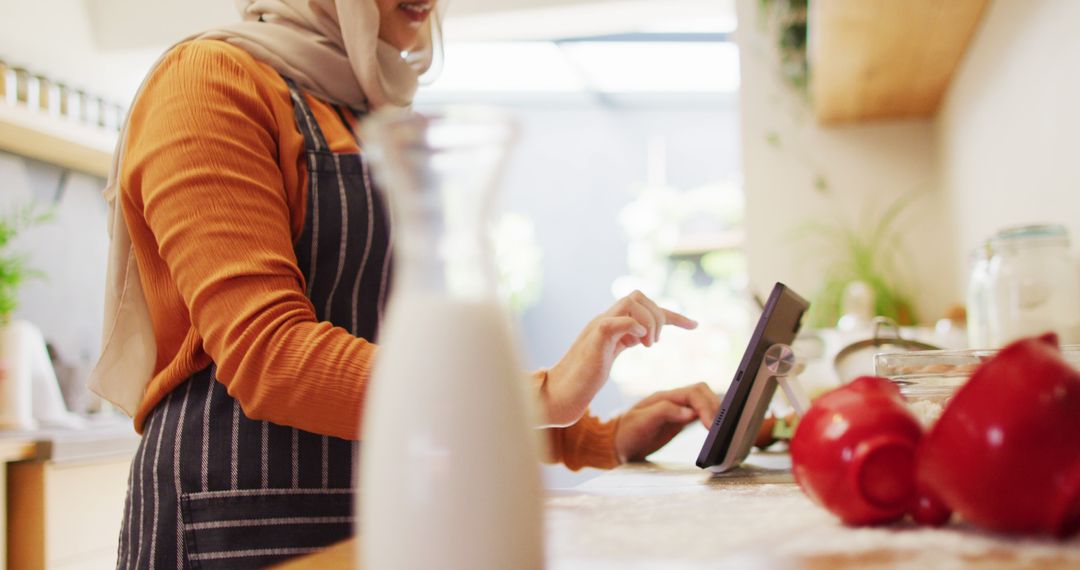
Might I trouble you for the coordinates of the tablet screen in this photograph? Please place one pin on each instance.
(779, 323)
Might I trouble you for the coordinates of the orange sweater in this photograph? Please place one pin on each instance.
(214, 189)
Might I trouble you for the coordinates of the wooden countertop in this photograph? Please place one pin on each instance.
(677, 516)
(17, 449)
(101, 437)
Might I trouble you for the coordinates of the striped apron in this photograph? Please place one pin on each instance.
(210, 488)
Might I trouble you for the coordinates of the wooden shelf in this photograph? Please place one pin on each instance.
(885, 59)
(56, 140)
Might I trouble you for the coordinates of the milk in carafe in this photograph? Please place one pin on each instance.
(450, 474)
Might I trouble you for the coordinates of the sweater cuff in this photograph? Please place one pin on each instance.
(588, 443)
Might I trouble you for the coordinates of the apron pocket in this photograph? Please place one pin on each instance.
(257, 527)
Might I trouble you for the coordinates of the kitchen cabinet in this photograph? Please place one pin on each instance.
(14, 449)
(883, 59)
(65, 515)
(65, 505)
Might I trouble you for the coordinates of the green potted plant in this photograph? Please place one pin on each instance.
(785, 20)
(868, 253)
(21, 343)
(14, 268)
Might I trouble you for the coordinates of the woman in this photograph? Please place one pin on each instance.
(241, 206)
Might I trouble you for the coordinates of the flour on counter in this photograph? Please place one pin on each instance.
(695, 522)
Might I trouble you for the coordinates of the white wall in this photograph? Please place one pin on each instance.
(578, 164)
(55, 38)
(1009, 130)
(867, 167)
(576, 167)
(68, 302)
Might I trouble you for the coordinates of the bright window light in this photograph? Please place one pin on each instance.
(657, 66)
(505, 66)
(576, 67)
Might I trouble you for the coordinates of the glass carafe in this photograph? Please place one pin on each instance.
(450, 473)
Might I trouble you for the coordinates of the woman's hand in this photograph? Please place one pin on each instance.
(572, 383)
(654, 421)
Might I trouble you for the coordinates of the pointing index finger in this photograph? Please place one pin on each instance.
(681, 321)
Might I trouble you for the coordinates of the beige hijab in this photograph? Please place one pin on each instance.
(330, 48)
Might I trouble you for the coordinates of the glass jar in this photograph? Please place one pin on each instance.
(7, 82)
(25, 87)
(110, 116)
(64, 105)
(1033, 286)
(77, 105)
(102, 113)
(977, 297)
(48, 96)
(90, 112)
(119, 116)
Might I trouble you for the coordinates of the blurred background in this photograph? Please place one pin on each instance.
(627, 174)
(697, 150)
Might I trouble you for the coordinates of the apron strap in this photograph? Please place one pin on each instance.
(305, 119)
(344, 119)
(358, 115)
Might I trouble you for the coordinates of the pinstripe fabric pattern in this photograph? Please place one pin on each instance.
(211, 488)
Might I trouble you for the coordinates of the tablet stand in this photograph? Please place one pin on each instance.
(781, 364)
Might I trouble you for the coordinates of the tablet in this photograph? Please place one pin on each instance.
(748, 396)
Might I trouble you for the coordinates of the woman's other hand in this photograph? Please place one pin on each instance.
(654, 421)
(572, 383)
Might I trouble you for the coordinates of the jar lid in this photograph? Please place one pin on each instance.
(1031, 232)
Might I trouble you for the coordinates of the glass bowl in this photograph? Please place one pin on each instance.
(929, 378)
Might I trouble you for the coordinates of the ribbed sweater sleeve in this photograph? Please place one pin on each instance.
(203, 168)
(588, 443)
